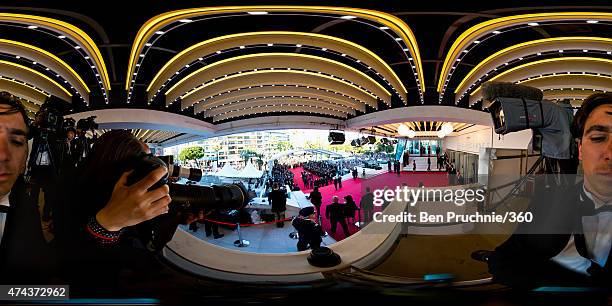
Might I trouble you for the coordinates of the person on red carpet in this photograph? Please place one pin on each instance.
(336, 213)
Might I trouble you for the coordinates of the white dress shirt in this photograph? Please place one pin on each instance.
(598, 238)
(4, 201)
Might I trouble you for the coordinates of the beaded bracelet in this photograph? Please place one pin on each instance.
(101, 234)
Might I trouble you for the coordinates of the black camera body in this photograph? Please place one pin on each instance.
(87, 124)
(186, 199)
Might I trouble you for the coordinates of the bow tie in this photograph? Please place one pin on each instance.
(4, 209)
(602, 209)
(588, 207)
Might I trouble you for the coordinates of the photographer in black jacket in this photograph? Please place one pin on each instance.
(96, 234)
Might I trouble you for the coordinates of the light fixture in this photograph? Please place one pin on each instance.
(159, 32)
(185, 20)
(592, 21)
(32, 27)
(348, 17)
(440, 134)
(258, 13)
(403, 130)
(533, 24)
(447, 128)
(411, 134)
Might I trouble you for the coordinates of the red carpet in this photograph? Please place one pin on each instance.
(354, 188)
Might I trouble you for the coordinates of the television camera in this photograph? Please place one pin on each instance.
(517, 107)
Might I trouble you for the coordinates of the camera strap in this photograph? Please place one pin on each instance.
(526, 113)
(541, 114)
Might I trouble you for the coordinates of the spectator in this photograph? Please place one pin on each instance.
(367, 205)
(336, 213)
(351, 207)
(210, 228)
(316, 199)
(414, 165)
(278, 200)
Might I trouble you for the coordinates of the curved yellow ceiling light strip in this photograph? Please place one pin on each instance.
(273, 80)
(69, 30)
(255, 92)
(530, 44)
(30, 86)
(550, 60)
(48, 55)
(359, 52)
(276, 99)
(159, 21)
(477, 31)
(302, 108)
(23, 90)
(32, 71)
(307, 73)
(566, 75)
(299, 58)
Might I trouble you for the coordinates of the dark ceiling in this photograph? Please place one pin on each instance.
(436, 25)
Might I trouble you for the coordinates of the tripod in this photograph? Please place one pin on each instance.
(43, 171)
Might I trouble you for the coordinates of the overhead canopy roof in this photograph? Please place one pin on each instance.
(322, 61)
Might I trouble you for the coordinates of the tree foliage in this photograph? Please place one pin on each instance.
(191, 153)
(283, 146)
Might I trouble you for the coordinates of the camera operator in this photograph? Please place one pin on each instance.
(96, 232)
(24, 254)
(46, 158)
(576, 248)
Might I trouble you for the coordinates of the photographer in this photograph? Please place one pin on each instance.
(575, 247)
(46, 158)
(96, 232)
(25, 258)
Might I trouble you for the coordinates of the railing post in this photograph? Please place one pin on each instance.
(241, 243)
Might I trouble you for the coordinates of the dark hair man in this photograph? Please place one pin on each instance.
(24, 255)
(23, 251)
(578, 254)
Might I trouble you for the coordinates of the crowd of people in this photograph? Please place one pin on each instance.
(325, 170)
(280, 174)
(308, 179)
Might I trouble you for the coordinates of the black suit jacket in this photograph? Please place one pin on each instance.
(524, 260)
(25, 257)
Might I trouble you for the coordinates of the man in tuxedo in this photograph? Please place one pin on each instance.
(573, 225)
(336, 213)
(24, 255)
